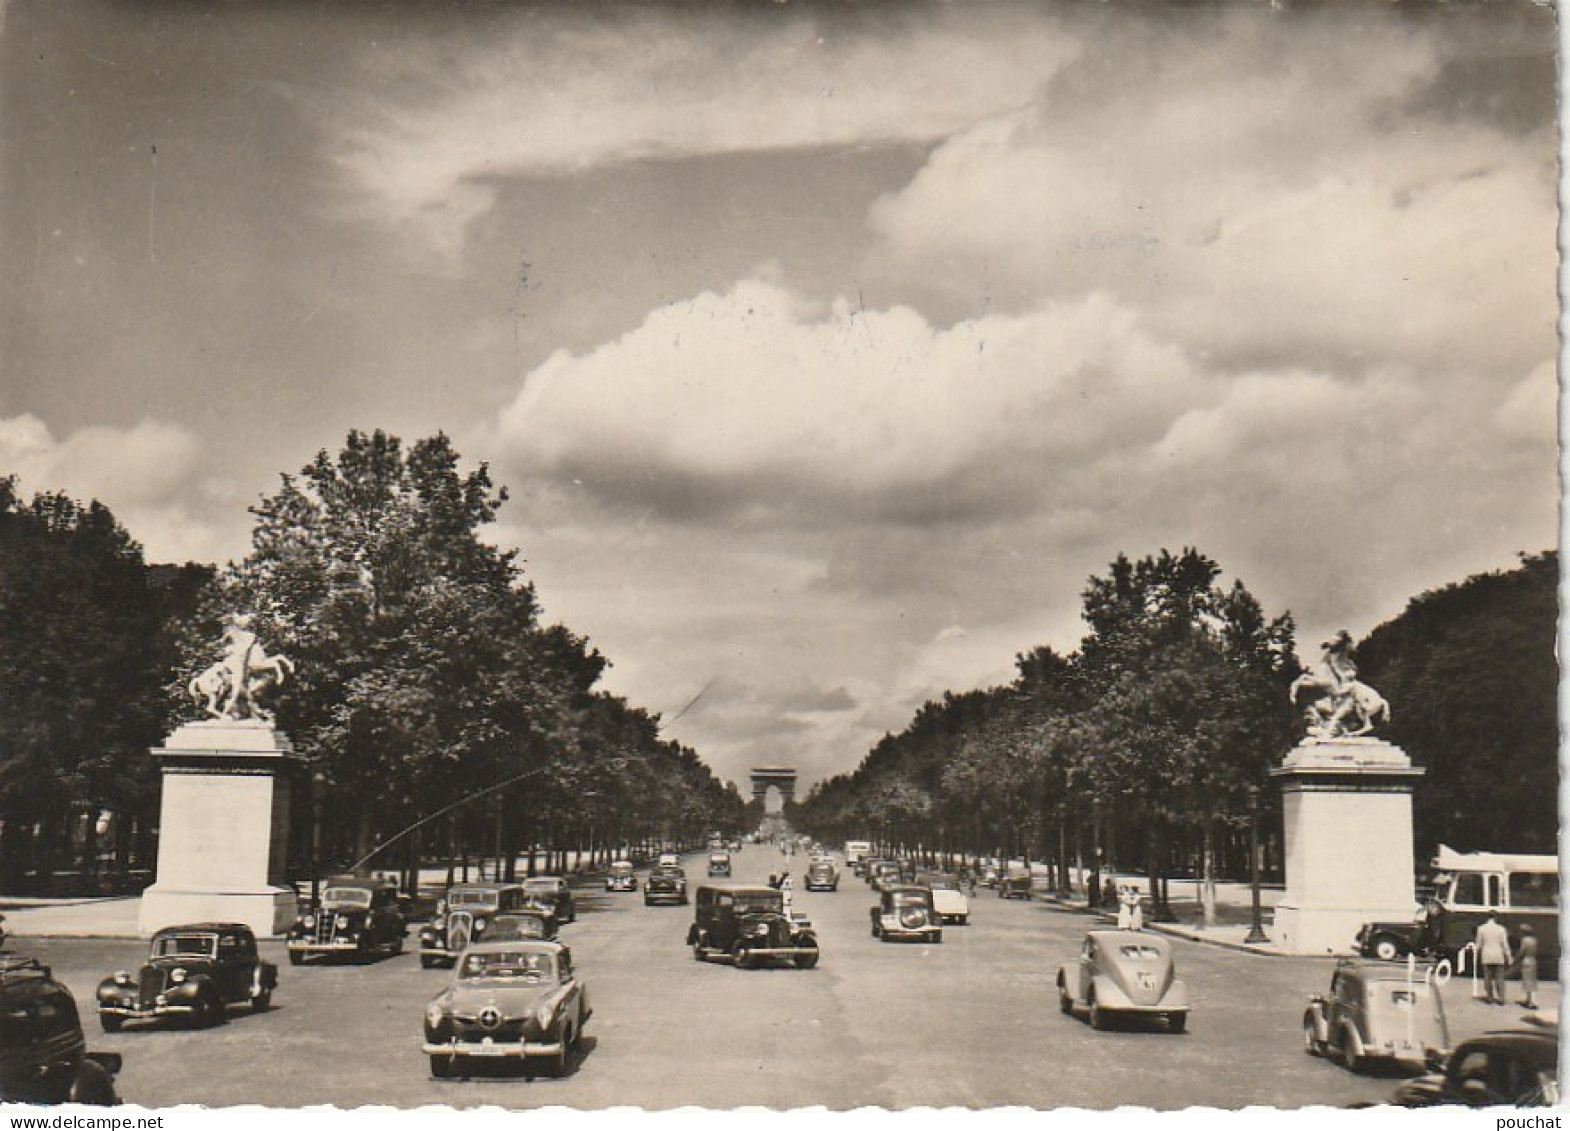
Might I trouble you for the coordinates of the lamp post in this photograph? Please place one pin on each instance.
(1256, 927)
(318, 787)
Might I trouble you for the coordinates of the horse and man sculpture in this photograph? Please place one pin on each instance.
(233, 687)
(1336, 704)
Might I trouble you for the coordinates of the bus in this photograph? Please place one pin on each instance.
(1520, 888)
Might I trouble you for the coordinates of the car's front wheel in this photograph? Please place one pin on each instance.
(1386, 949)
(743, 958)
(262, 1001)
(1350, 1058)
(807, 961)
(111, 1022)
(1311, 1043)
(1177, 1022)
(443, 1067)
(1065, 999)
(295, 958)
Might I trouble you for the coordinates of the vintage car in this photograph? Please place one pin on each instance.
(1512, 1068)
(666, 884)
(948, 900)
(904, 911)
(1376, 1011)
(511, 1000)
(750, 927)
(533, 923)
(886, 873)
(43, 1053)
(1124, 973)
(668, 860)
(1015, 881)
(719, 863)
(463, 916)
(621, 877)
(194, 973)
(822, 875)
(989, 873)
(355, 917)
(550, 893)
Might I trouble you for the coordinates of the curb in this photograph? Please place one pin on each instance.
(1171, 929)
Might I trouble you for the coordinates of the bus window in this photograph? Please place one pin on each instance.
(1468, 890)
(1493, 891)
(1534, 889)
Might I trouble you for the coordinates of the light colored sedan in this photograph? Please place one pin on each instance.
(1124, 973)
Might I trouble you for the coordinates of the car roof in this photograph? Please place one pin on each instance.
(542, 879)
(548, 946)
(358, 882)
(741, 889)
(483, 885)
(201, 929)
(1112, 938)
(1375, 971)
(1540, 1046)
(893, 889)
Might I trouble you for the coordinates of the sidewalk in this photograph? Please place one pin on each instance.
(113, 918)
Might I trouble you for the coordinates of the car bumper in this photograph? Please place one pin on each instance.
(665, 896)
(135, 1013)
(437, 952)
(913, 933)
(780, 951)
(301, 946)
(488, 1050)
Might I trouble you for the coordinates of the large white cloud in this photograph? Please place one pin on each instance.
(434, 132)
(148, 474)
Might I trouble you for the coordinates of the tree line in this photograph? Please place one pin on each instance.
(424, 680)
(1149, 747)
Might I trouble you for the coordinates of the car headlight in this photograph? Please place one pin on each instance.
(543, 1015)
(122, 977)
(760, 929)
(308, 921)
(341, 922)
(434, 1014)
(479, 924)
(177, 975)
(441, 907)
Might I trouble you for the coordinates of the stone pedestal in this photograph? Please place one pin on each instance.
(1348, 814)
(223, 828)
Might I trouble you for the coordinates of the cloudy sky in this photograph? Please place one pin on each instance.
(827, 349)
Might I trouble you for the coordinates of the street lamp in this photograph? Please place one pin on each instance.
(1256, 927)
(318, 787)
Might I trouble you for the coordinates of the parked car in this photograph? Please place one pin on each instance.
(517, 1000)
(552, 894)
(1514, 1068)
(822, 875)
(1124, 973)
(719, 863)
(1015, 882)
(904, 911)
(193, 973)
(621, 877)
(1376, 1011)
(749, 925)
(43, 1052)
(666, 884)
(533, 923)
(950, 903)
(463, 916)
(355, 916)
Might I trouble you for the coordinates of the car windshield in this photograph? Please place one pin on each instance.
(541, 887)
(910, 898)
(346, 897)
(758, 902)
(195, 946)
(621, 869)
(942, 883)
(472, 899)
(527, 966)
(667, 874)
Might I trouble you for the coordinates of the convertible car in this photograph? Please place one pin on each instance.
(1124, 972)
(516, 1000)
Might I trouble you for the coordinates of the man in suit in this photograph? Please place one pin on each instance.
(1493, 955)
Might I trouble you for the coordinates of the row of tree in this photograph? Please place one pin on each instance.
(1149, 747)
(424, 681)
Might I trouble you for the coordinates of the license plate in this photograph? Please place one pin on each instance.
(489, 1050)
(1147, 981)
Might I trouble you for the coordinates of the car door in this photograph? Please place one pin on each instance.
(231, 973)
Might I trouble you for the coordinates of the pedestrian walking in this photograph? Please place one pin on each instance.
(1125, 909)
(785, 890)
(1136, 912)
(1526, 961)
(1493, 955)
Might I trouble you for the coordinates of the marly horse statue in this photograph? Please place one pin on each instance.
(232, 685)
(1331, 694)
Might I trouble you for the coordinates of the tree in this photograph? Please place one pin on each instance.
(81, 659)
(1472, 679)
